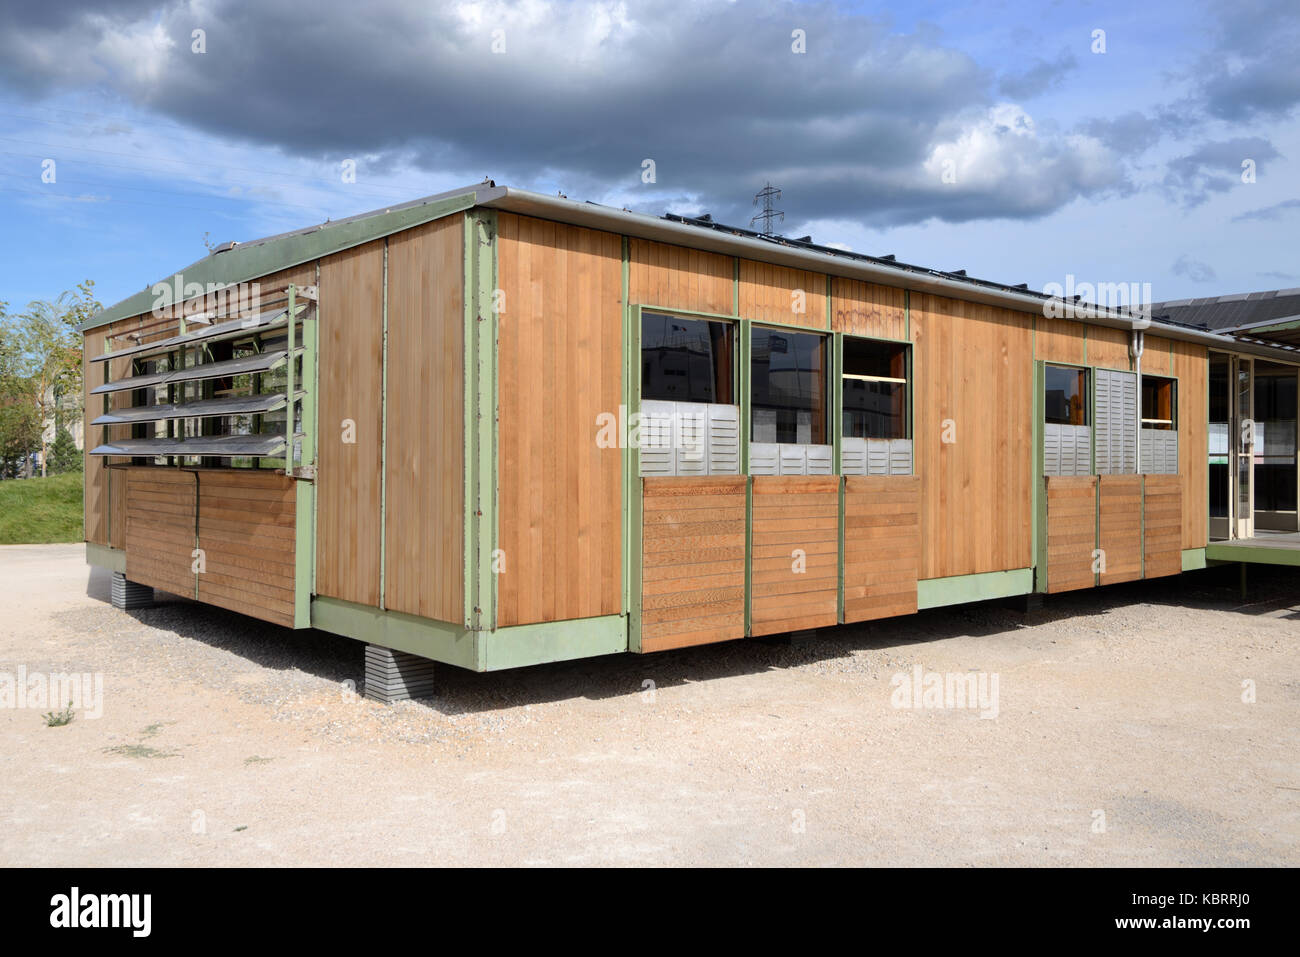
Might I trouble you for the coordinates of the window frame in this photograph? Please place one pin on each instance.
(906, 348)
(825, 338)
(1085, 391)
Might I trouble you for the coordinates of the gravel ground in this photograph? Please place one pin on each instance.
(1121, 738)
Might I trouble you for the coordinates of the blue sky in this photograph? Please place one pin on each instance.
(1122, 166)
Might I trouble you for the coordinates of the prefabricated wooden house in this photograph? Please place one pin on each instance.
(493, 428)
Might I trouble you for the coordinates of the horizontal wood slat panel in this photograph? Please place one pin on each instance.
(1162, 520)
(160, 537)
(1071, 531)
(694, 533)
(784, 599)
(882, 545)
(1120, 527)
(245, 529)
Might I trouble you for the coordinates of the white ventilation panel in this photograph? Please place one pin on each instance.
(1159, 452)
(1066, 449)
(689, 438)
(1116, 418)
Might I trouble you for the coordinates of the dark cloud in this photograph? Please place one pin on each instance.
(1253, 69)
(860, 126)
(1215, 168)
(1128, 134)
(1193, 269)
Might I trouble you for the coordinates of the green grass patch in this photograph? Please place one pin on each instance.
(37, 511)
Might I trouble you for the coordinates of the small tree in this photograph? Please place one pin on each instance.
(64, 454)
(50, 352)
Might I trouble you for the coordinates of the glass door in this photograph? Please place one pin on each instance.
(1244, 492)
(1220, 446)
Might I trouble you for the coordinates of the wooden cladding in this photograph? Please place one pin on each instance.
(866, 309)
(1162, 525)
(1191, 365)
(1108, 348)
(693, 561)
(679, 278)
(244, 526)
(246, 530)
(560, 357)
(1119, 524)
(779, 294)
(351, 335)
(882, 545)
(794, 575)
(1071, 531)
(161, 533)
(424, 512)
(973, 437)
(1059, 340)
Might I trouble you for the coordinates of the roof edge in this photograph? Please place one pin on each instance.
(261, 257)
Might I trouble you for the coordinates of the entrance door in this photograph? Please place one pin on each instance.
(1244, 442)
(1220, 446)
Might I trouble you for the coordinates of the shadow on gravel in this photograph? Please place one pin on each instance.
(336, 659)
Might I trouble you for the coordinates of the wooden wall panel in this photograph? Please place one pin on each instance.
(1157, 356)
(1071, 531)
(559, 367)
(1162, 522)
(95, 504)
(1108, 347)
(1191, 365)
(680, 278)
(866, 309)
(351, 338)
(693, 561)
(1059, 340)
(160, 531)
(789, 514)
(424, 513)
(766, 294)
(246, 531)
(974, 385)
(1119, 524)
(245, 527)
(882, 545)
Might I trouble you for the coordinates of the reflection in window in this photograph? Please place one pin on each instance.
(875, 389)
(1066, 396)
(789, 387)
(686, 360)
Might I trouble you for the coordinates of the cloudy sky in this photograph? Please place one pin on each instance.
(1021, 141)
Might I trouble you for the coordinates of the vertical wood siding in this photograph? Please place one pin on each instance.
(350, 336)
(680, 278)
(559, 368)
(424, 512)
(866, 309)
(973, 370)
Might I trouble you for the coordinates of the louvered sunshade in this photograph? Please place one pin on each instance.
(231, 329)
(262, 362)
(266, 446)
(207, 408)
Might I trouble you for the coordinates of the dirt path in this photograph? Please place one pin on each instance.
(1121, 738)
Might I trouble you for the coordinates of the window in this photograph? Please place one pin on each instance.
(686, 360)
(690, 424)
(789, 388)
(1066, 396)
(1067, 435)
(1159, 425)
(1159, 403)
(875, 389)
